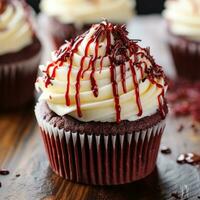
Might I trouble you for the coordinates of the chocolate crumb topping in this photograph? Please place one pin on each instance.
(4, 172)
(176, 195)
(165, 150)
(180, 128)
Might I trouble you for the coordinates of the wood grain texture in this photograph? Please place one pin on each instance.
(22, 152)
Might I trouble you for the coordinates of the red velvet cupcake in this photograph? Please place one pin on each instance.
(183, 19)
(102, 109)
(20, 52)
(68, 19)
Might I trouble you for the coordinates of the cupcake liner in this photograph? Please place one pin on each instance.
(17, 82)
(101, 159)
(186, 56)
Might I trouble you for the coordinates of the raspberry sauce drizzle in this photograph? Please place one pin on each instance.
(73, 50)
(118, 54)
(77, 96)
(136, 88)
(115, 91)
(123, 77)
(160, 96)
(49, 77)
(94, 86)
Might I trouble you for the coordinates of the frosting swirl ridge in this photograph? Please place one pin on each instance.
(104, 76)
(15, 30)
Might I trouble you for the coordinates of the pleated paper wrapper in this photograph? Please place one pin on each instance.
(186, 56)
(101, 159)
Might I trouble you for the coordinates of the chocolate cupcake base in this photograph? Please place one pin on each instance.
(99, 159)
(18, 73)
(186, 56)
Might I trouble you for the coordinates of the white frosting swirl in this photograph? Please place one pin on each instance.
(102, 107)
(15, 31)
(88, 11)
(184, 18)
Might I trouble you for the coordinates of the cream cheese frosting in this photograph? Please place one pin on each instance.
(184, 18)
(103, 76)
(15, 30)
(82, 12)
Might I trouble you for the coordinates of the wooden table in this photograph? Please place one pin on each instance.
(30, 178)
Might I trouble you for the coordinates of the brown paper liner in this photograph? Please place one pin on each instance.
(17, 83)
(186, 56)
(101, 159)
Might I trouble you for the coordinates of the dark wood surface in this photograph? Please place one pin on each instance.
(22, 152)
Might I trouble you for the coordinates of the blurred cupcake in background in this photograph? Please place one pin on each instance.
(183, 20)
(20, 52)
(69, 18)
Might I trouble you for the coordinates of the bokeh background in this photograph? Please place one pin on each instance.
(143, 6)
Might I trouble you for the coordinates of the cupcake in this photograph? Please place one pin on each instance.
(69, 18)
(183, 21)
(20, 52)
(102, 108)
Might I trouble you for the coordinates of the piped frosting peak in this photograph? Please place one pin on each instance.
(103, 75)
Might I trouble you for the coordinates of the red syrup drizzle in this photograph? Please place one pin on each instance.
(115, 91)
(120, 37)
(101, 65)
(123, 77)
(136, 87)
(151, 77)
(77, 97)
(94, 86)
(73, 50)
(160, 96)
